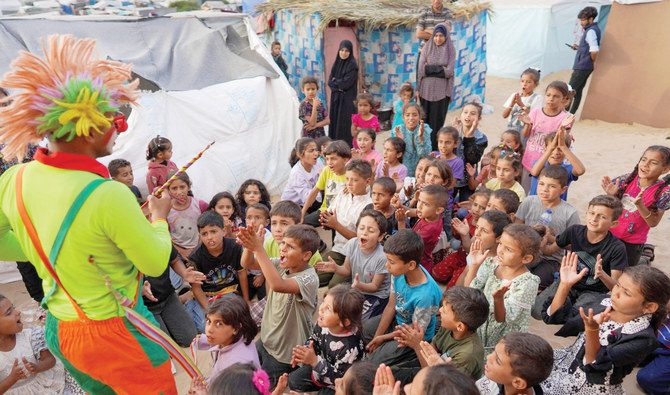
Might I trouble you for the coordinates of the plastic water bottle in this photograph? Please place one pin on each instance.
(545, 218)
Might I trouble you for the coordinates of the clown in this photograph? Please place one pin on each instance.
(87, 238)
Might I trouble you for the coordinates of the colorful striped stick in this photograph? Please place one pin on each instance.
(165, 186)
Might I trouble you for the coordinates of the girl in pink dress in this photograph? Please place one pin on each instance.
(366, 139)
(365, 119)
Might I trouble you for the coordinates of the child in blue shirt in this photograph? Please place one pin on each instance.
(405, 95)
(415, 297)
(556, 152)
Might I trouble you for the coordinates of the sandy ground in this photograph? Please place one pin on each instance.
(604, 148)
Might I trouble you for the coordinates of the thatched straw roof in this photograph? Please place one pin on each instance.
(371, 14)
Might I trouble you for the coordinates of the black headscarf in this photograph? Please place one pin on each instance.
(343, 66)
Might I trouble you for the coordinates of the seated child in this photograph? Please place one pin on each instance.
(365, 139)
(441, 379)
(415, 297)
(358, 380)
(462, 311)
(508, 168)
(513, 140)
(158, 295)
(602, 255)
(364, 119)
(159, 153)
(415, 134)
(251, 192)
(508, 285)
(238, 378)
(366, 262)
(405, 95)
(218, 258)
(412, 185)
(343, 213)
(553, 216)
(557, 151)
(613, 342)
(519, 363)
(447, 142)
(229, 334)
(184, 214)
(225, 204)
(488, 230)
(335, 344)
(654, 377)
(26, 364)
(432, 201)
(394, 150)
(322, 143)
(305, 169)
(504, 200)
(121, 171)
(312, 111)
(292, 287)
(382, 192)
(330, 182)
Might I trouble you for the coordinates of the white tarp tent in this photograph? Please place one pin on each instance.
(533, 33)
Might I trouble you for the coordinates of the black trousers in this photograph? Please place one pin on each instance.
(436, 111)
(32, 281)
(578, 82)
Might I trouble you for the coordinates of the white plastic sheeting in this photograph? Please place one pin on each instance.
(533, 33)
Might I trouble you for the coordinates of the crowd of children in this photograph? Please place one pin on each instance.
(437, 261)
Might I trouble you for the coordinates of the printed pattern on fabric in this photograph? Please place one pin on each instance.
(335, 354)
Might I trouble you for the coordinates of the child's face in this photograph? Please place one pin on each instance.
(433, 176)
(553, 99)
(328, 318)
(651, 165)
(420, 172)
(225, 208)
(484, 232)
(125, 176)
(310, 155)
(495, 203)
(509, 140)
(365, 143)
(381, 200)
(469, 114)
(528, 84)
(505, 172)
(291, 255)
(411, 117)
(255, 217)
(556, 157)
(446, 144)
(341, 383)
(478, 206)
(405, 96)
(179, 189)
(278, 226)
(599, 219)
(310, 89)
(549, 189)
(510, 253)
(447, 317)
(336, 163)
(166, 154)
(10, 319)
(355, 183)
(628, 299)
(390, 154)
(218, 332)
(499, 366)
(427, 207)
(364, 107)
(276, 50)
(396, 266)
(211, 237)
(252, 194)
(416, 386)
(368, 234)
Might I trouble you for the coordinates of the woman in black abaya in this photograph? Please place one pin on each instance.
(343, 83)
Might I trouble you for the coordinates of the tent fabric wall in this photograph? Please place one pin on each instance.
(387, 56)
(526, 33)
(630, 81)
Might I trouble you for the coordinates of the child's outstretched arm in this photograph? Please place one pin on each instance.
(477, 257)
(592, 336)
(244, 284)
(568, 278)
(388, 316)
(248, 261)
(577, 166)
(253, 241)
(309, 201)
(373, 286)
(330, 266)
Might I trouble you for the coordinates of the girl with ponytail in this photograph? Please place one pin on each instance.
(304, 173)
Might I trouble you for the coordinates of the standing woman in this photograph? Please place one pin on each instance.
(435, 80)
(343, 82)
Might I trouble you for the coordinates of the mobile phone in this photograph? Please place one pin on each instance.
(568, 45)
